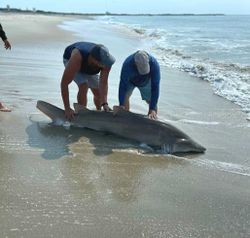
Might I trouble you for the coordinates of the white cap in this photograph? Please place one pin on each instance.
(142, 62)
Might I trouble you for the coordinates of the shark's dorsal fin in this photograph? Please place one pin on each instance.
(120, 112)
(80, 109)
(83, 111)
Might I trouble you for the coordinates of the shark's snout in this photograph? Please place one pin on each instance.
(188, 145)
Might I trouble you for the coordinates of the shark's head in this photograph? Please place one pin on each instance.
(187, 145)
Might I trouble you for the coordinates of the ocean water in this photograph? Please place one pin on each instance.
(213, 48)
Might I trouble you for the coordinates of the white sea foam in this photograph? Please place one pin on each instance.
(200, 122)
(223, 166)
(230, 81)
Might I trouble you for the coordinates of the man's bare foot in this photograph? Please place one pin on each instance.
(3, 108)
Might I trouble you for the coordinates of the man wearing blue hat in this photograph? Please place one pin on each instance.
(140, 70)
(88, 64)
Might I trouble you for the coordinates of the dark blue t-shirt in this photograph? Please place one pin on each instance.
(84, 49)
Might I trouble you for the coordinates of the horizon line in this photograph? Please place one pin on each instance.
(34, 10)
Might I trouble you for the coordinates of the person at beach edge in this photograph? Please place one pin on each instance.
(140, 70)
(7, 46)
(88, 64)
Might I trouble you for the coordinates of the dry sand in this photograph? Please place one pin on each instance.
(26, 28)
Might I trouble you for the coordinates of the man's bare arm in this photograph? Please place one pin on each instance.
(71, 69)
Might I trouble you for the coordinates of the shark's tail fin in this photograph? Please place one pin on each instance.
(50, 110)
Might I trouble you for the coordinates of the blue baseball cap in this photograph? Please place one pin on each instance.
(102, 55)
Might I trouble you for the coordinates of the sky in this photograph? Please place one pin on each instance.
(134, 6)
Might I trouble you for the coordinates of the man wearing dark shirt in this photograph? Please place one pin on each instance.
(140, 70)
(84, 61)
(7, 46)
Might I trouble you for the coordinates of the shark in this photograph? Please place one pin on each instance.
(126, 124)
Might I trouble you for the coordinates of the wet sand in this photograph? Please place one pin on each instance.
(56, 182)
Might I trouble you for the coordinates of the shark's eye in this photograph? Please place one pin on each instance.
(181, 140)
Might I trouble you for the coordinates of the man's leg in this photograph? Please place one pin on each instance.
(127, 105)
(130, 89)
(82, 94)
(81, 81)
(97, 100)
(93, 83)
(146, 92)
(4, 108)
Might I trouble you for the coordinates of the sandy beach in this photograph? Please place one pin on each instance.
(56, 182)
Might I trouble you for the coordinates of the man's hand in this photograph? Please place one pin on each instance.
(69, 114)
(7, 45)
(152, 114)
(106, 107)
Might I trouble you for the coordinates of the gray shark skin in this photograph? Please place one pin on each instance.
(128, 125)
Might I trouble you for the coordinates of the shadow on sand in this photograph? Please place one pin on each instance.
(55, 141)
